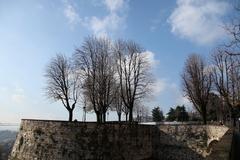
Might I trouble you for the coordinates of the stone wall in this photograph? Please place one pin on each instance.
(222, 149)
(195, 137)
(73, 140)
(60, 140)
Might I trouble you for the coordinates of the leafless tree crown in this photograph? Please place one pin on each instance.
(95, 61)
(133, 72)
(63, 83)
(197, 82)
(227, 76)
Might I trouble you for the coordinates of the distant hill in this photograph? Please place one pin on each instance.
(7, 139)
(9, 124)
(7, 135)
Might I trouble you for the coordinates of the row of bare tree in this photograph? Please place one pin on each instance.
(102, 73)
(220, 76)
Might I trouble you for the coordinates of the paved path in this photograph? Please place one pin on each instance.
(236, 146)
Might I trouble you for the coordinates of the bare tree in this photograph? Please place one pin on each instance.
(141, 111)
(126, 112)
(227, 79)
(117, 102)
(63, 83)
(232, 28)
(217, 110)
(197, 82)
(95, 61)
(226, 65)
(133, 73)
(234, 31)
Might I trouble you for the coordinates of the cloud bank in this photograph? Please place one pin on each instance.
(199, 21)
(71, 14)
(111, 23)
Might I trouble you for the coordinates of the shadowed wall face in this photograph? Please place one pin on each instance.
(194, 137)
(57, 140)
(65, 140)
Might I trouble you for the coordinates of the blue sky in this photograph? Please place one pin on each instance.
(33, 31)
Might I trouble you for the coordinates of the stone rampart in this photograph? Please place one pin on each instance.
(58, 140)
(61, 140)
(195, 137)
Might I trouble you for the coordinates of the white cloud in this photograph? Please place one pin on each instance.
(151, 58)
(111, 23)
(175, 93)
(199, 21)
(113, 5)
(183, 101)
(105, 25)
(158, 87)
(71, 14)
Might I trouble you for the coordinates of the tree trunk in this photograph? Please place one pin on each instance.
(233, 119)
(70, 115)
(100, 118)
(130, 115)
(204, 120)
(204, 116)
(126, 117)
(234, 122)
(98, 115)
(119, 117)
(233, 114)
(103, 117)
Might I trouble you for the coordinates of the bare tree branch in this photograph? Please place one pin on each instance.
(133, 72)
(227, 79)
(95, 61)
(63, 83)
(197, 82)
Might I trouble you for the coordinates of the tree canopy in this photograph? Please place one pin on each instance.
(157, 114)
(178, 114)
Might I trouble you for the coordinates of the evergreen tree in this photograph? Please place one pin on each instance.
(157, 114)
(178, 114)
(171, 115)
(181, 114)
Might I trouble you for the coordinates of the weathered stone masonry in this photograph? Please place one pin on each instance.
(60, 140)
(196, 137)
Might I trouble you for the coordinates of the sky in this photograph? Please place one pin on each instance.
(34, 31)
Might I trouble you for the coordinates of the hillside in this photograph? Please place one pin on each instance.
(7, 139)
